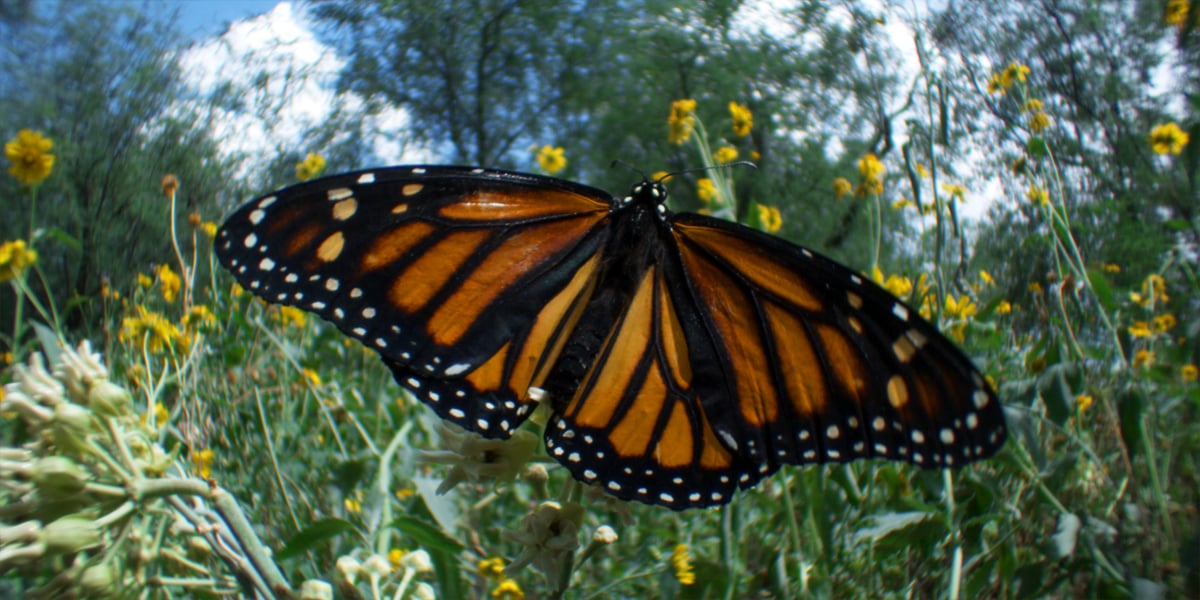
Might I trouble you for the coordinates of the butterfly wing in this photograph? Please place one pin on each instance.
(741, 352)
(464, 280)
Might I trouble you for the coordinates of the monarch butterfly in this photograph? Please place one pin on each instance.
(683, 357)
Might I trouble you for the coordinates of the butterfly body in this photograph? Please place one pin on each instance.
(683, 357)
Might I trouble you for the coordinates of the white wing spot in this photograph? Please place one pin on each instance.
(266, 264)
(832, 432)
(265, 202)
(418, 171)
(855, 279)
(359, 331)
(833, 453)
(947, 436)
(574, 457)
(589, 474)
(665, 497)
(457, 413)
(981, 399)
(457, 369)
(880, 449)
(918, 437)
(292, 278)
(318, 305)
(250, 240)
(340, 193)
(382, 343)
(900, 311)
(878, 423)
(256, 217)
(368, 313)
(356, 293)
(331, 284)
(414, 382)
(366, 178)
(482, 423)
(972, 421)
(338, 313)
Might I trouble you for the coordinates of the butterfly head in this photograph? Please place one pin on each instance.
(648, 194)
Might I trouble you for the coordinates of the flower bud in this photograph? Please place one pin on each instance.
(70, 534)
(377, 566)
(349, 568)
(315, 589)
(418, 560)
(58, 476)
(198, 548)
(74, 417)
(99, 581)
(110, 399)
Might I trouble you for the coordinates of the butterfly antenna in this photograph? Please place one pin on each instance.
(728, 165)
(618, 162)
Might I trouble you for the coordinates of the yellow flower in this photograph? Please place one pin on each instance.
(956, 192)
(312, 165)
(552, 159)
(1035, 288)
(996, 85)
(1155, 287)
(15, 258)
(682, 563)
(922, 172)
(491, 568)
(1188, 373)
(1139, 329)
(290, 315)
(1176, 13)
(1033, 105)
(394, 556)
(1003, 308)
(682, 121)
(1143, 358)
(870, 172)
(902, 203)
(1083, 402)
(353, 506)
(508, 590)
(1112, 268)
(986, 277)
(161, 414)
(707, 191)
(770, 218)
(1037, 195)
(742, 119)
(898, 286)
(202, 462)
(169, 281)
(198, 316)
(30, 158)
(1164, 323)
(1039, 122)
(209, 228)
(152, 328)
(1013, 73)
(144, 280)
(311, 376)
(961, 308)
(841, 187)
(725, 154)
(1168, 138)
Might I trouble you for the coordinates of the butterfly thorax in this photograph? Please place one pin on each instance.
(639, 224)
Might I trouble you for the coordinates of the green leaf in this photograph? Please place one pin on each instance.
(1104, 292)
(313, 535)
(1036, 147)
(49, 341)
(1177, 225)
(1055, 389)
(426, 535)
(1131, 406)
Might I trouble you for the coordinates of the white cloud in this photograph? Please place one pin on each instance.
(283, 84)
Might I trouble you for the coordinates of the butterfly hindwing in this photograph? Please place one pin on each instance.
(460, 278)
(825, 366)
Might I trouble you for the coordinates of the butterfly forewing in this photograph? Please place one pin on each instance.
(461, 279)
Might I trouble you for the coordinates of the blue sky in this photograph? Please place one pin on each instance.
(200, 19)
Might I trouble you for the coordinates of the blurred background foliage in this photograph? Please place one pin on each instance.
(1091, 501)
